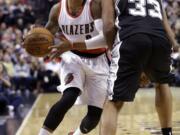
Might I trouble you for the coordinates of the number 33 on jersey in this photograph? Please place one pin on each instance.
(145, 7)
(139, 16)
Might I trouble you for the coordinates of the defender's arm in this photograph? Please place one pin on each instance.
(169, 31)
(108, 16)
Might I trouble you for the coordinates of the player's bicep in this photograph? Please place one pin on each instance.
(52, 24)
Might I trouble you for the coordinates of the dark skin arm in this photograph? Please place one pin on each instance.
(52, 24)
(108, 17)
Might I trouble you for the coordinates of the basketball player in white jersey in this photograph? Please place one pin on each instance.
(83, 73)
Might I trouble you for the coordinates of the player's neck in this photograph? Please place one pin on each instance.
(75, 4)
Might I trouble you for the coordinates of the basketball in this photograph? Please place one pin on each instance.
(37, 41)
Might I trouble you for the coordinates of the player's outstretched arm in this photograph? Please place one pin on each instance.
(108, 16)
(169, 32)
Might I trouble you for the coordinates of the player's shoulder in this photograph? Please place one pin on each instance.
(55, 11)
(56, 8)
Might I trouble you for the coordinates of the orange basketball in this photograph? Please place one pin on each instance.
(37, 42)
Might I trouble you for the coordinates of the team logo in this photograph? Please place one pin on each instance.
(69, 77)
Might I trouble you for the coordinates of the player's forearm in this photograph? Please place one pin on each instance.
(79, 46)
(109, 33)
(108, 17)
(170, 34)
(169, 31)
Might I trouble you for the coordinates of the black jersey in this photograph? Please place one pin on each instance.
(139, 16)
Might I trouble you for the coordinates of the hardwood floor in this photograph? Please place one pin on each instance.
(137, 118)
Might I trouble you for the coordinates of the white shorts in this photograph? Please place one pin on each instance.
(88, 74)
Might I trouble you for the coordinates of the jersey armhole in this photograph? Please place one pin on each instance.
(90, 8)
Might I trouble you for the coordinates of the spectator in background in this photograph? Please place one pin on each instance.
(4, 78)
(22, 78)
(4, 84)
(8, 62)
(171, 11)
(3, 105)
(42, 6)
(16, 14)
(1, 53)
(7, 96)
(48, 78)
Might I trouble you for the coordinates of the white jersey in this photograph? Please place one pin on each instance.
(87, 74)
(79, 28)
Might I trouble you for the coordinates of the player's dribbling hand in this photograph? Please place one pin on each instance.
(57, 50)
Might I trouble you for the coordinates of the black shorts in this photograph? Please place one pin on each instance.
(137, 53)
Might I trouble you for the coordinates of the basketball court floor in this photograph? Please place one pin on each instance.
(137, 118)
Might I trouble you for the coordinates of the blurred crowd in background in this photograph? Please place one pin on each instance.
(21, 73)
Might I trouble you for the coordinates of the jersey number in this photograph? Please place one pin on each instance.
(140, 8)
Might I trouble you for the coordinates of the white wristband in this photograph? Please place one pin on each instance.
(98, 25)
(96, 42)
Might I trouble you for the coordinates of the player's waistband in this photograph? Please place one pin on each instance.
(90, 53)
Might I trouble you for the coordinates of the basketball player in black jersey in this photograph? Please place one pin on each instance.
(143, 43)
